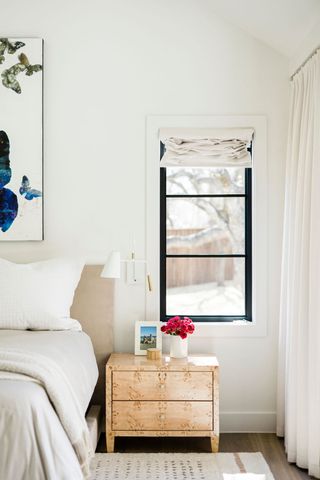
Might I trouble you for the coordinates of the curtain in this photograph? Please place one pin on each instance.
(227, 147)
(299, 342)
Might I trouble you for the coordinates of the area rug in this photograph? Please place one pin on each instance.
(180, 466)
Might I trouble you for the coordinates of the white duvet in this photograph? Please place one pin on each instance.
(46, 382)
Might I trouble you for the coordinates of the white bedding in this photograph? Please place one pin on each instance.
(46, 382)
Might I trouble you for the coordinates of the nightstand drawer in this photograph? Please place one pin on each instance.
(142, 385)
(179, 416)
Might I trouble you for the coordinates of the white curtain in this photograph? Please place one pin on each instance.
(299, 346)
(206, 147)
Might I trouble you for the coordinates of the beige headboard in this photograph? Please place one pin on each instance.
(93, 307)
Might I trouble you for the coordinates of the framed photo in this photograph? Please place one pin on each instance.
(147, 335)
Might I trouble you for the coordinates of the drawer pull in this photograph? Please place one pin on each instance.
(161, 385)
(161, 417)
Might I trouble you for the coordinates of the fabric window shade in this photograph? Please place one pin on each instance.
(218, 147)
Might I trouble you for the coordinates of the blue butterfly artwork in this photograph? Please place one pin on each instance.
(8, 199)
(26, 191)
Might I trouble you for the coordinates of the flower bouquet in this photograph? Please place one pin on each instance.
(179, 329)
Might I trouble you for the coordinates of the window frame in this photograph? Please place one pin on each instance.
(261, 242)
(247, 255)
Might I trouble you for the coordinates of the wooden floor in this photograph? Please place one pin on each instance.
(267, 443)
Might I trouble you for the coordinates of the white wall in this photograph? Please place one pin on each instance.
(108, 64)
(311, 42)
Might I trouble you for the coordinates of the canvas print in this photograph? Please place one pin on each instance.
(21, 209)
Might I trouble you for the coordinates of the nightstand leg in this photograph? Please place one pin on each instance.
(214, 444)
(110, 442)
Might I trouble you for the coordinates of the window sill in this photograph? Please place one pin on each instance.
(239, 328)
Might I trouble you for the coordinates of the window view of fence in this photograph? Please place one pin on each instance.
(205, 241)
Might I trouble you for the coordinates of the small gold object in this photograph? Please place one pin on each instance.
(153, 354)
(149, 282)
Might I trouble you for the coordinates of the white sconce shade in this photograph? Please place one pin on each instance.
(135, 269)
(112, 266)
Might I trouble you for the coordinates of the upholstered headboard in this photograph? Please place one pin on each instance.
(93, 307)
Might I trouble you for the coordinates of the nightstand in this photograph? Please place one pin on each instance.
(163, 398)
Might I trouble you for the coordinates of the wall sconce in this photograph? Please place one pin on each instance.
(135, 269)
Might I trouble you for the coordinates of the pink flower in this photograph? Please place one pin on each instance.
(179, 326)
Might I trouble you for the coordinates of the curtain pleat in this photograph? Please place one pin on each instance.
(299, 340)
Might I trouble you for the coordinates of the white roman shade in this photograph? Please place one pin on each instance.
(214, 147)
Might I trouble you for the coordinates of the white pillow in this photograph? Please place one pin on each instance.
(38, 296)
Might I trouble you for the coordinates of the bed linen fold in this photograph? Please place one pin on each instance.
(64, 364)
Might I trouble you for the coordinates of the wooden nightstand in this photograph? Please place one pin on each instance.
(166, 398)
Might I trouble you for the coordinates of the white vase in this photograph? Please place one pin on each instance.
(178, 347)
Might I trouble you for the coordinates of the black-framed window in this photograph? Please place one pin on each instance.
(206, 243)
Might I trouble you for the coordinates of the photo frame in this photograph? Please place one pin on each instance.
(147, 335)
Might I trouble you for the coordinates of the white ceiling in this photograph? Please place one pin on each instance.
(281, 24)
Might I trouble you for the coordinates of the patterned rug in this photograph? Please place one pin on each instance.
(180, 466)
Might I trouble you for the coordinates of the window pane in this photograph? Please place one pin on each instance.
(205, 286)
(205, 225)
(196, 181)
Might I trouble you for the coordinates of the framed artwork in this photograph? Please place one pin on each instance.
(21, 144)
(147, 335)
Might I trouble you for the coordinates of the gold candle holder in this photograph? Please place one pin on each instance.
(154, 354)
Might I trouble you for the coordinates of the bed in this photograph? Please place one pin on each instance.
(48, 380)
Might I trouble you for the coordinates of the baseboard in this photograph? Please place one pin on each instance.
(240, 422)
